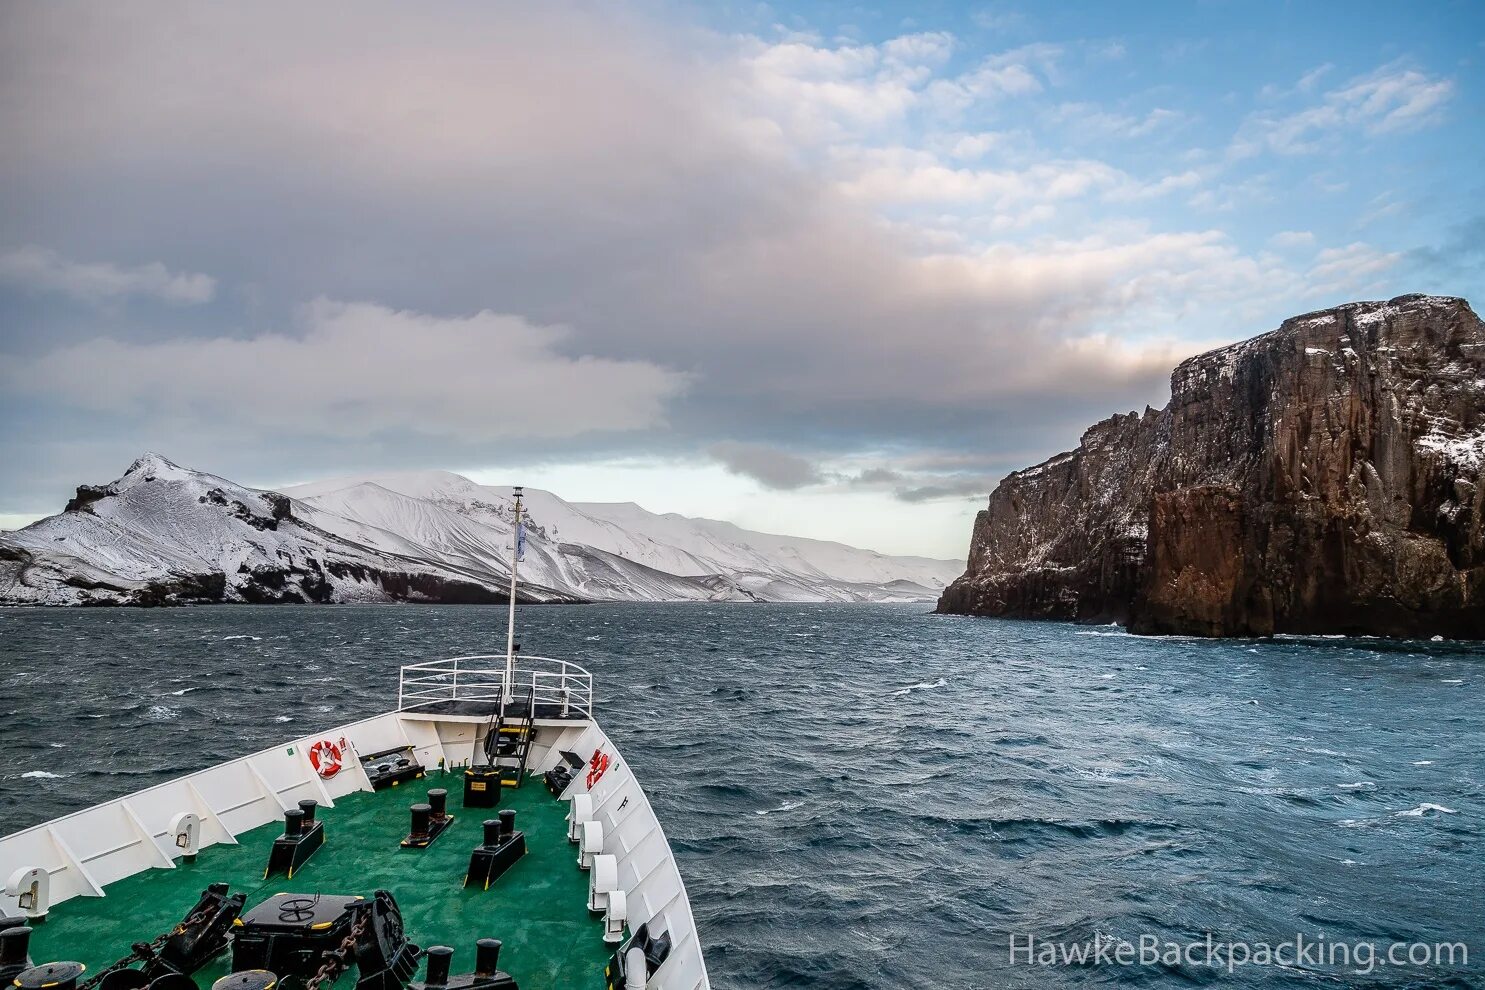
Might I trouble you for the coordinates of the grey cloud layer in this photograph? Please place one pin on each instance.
(575, 170)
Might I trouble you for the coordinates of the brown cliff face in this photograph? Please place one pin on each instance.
(1321, 478)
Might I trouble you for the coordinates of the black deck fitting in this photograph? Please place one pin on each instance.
(429, 820)
(15, 943)
(200, 937)
(485, 976)
(502, 847)
(481, 787)
(291, 850)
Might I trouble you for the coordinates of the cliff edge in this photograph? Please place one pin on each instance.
(1321, 478)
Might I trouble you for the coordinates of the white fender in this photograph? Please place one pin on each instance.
(602, 882)
(581, 811)
(591, 845)
(32, 888)
(186, 828)
(614, 918)
(636, 972)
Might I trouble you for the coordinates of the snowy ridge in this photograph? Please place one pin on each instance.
(164, 534)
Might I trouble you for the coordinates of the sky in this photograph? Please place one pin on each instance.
(822, 269)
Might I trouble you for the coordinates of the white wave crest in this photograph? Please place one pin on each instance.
(941, 682)
(1424, 809)
(786, 806)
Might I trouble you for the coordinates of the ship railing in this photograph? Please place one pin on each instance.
(556, 686)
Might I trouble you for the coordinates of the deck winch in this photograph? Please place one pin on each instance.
(313, 937)
(303, 834)
(486, 976)
(199, 938)
(288, 934)
(502, 847)
(429, 820)
(171, 958)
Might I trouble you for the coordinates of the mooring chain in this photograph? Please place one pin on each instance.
(144, 950)
(140, 950)
(338, 960)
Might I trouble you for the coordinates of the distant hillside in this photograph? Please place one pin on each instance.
(164, 534)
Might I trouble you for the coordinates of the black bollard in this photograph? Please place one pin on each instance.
(293, 822)
(502, 846)
(421, 813)
(308, 806)
(440, 957)
(438, 800)
(15, 945)
(486, 956)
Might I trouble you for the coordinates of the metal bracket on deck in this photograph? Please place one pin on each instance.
(31, 886)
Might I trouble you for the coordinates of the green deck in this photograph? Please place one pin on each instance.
(539, 908)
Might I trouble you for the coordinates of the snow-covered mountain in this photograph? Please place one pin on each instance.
(163, 534)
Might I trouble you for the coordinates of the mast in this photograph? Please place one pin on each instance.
(517, 546)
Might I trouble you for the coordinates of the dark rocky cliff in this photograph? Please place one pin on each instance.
(1322, 478)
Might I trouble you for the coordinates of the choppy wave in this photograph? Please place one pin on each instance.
(925, 686)
(786, 806)
(841, 830)
(1426, 809)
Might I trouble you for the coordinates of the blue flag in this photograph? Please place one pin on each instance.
(521, 540)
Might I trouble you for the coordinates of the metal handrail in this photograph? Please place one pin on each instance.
(481, 677)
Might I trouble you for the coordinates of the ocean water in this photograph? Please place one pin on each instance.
(875, 797)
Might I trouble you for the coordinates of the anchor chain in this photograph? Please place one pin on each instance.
(339, 960)
(144, 951)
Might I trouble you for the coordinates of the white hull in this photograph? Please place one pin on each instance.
(82, 853)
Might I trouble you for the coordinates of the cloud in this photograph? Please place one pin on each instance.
(903, 176)
(1285, 239)
(876, 476)
(665, 237)
(954, 488)
(1342, 272)
(359, 370)
(769, 466)
(1017, 72)
(42, 269)
(1393, 99)
(1089, 119)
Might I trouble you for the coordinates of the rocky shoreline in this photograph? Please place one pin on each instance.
(1322, 478)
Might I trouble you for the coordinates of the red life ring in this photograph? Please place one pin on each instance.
(325, 757)
(596, 767)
